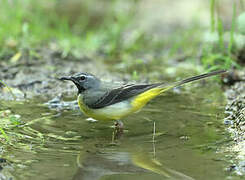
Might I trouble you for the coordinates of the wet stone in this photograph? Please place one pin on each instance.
(228, 122)
(235, 119)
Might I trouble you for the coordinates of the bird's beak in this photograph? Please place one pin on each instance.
(70, 78)
(73, 79)
(66, 78)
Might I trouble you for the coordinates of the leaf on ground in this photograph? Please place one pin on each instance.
(16, 57)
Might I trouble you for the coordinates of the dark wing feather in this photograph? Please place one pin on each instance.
(120, 94)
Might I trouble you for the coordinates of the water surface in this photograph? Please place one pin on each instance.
(64, 145)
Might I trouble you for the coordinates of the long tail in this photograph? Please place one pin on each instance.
(159, 88)
(190, 79)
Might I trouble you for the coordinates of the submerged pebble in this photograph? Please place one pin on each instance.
(59, 104)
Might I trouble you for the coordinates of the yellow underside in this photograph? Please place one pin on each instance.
(121, 109)
(141, 100)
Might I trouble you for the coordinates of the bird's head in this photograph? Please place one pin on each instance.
(83, 81)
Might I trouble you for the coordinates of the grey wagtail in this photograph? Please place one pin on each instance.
(108, 101)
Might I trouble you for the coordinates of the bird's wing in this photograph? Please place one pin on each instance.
(118, 94)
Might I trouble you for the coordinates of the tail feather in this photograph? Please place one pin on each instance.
(190, 79)
(202, 76)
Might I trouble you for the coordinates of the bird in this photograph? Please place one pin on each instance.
(103, 100)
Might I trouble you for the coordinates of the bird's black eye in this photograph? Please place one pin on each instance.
(82, 78)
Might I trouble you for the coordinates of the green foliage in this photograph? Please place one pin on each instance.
(15, 120)
(218, 56)
(4, 134)
(212, 15)
(214, 61)
(233, 26)
(8, 122)
(220, 30)
(135, 75)
(27, 25)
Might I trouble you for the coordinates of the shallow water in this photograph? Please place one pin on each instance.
(64, 145)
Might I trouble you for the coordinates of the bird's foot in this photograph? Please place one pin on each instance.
(118, 130)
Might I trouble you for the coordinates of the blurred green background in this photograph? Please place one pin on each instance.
(124, 32)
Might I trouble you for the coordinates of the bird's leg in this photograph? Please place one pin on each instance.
(118, 131)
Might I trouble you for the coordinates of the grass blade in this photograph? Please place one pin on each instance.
(9, 89)
(233, 26)
(4, 134)
(212, 11)
(221, 35)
